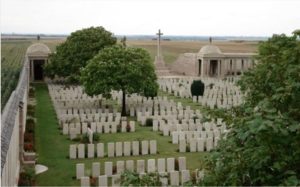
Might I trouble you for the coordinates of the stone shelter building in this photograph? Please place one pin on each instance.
(37, 54)
(210, 61)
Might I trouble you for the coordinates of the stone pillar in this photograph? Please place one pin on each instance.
(234, 66)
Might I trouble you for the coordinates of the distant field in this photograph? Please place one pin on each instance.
(172, 49)
(13, 52)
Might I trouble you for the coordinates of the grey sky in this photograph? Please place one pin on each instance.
(174, 17)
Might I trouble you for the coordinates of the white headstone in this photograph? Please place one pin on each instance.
(65, 129)
(161, 165)
(111, 149)
(182, 146)
(73, 152)
(193, 145)
(209, 144)
(170, 164)
(108, 167)
(115, 180)
(81, 151)
(85, 181)
(130, 165)
(120, 167)
(145, 147)
(79, 171)
(174, 178)
(200, 144)
(91, 150)
(151, 166)
(100, 150)
(140, 166)
(185, 176)
(132, 126)
(96, 169)
(175, 137)
(127, 148)
(102, 181)
(153, 146)
(182, 163)
(119, 149)
(135, 148)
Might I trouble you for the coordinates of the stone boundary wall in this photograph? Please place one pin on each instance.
(185, 65)
(12, 129)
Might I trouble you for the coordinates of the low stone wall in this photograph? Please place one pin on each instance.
(12, 129)
(185, 65)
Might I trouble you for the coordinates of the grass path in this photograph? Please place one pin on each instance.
(53, 147)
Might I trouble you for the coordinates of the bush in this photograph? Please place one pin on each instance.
(129, 178)
(96, 137)
(30, 127)
(27, 177)
(85, 138)
(197, 88)
(149, 122)
(28, 137)
(29, 147)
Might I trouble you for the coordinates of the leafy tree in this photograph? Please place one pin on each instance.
(74, 53)
(197, 88)
(263, 146)
(120, 68)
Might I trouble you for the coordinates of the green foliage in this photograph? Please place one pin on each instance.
(27, 176)
(96, 137)
(197, 88)
(129, 178)
(263, 146)
(119, 68)
(73, 54)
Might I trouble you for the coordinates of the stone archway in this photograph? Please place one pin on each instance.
(38, 56)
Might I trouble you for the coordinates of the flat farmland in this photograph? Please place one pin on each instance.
(172, 49)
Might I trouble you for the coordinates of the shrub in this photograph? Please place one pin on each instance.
(85, 138)
(197, 88)
(28, 147)
(96, 137)
(28, 137)
(149, 122)
(27, 177)
(129, 178)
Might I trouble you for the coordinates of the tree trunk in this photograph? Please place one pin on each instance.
(124, 103)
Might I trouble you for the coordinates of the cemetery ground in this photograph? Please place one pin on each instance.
(53, 147)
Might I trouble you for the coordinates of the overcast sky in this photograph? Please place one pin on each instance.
(173, 17)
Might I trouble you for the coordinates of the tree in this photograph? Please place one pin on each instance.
(263, 146)
(197, 88)
(74, 53)
(120, 68)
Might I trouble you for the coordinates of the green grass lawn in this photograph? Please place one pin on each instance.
(53, 147)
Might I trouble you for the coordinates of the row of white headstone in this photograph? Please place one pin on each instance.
(73, 129)
(173, 178)
(153, 165)
(218, 93)
(198, 145)
(114, 149)
(188, 135)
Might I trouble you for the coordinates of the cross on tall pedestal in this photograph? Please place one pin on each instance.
(159, 34)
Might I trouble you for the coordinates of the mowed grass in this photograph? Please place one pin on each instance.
(53, 147)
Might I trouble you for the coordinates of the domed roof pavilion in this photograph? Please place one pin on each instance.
(37, 55)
